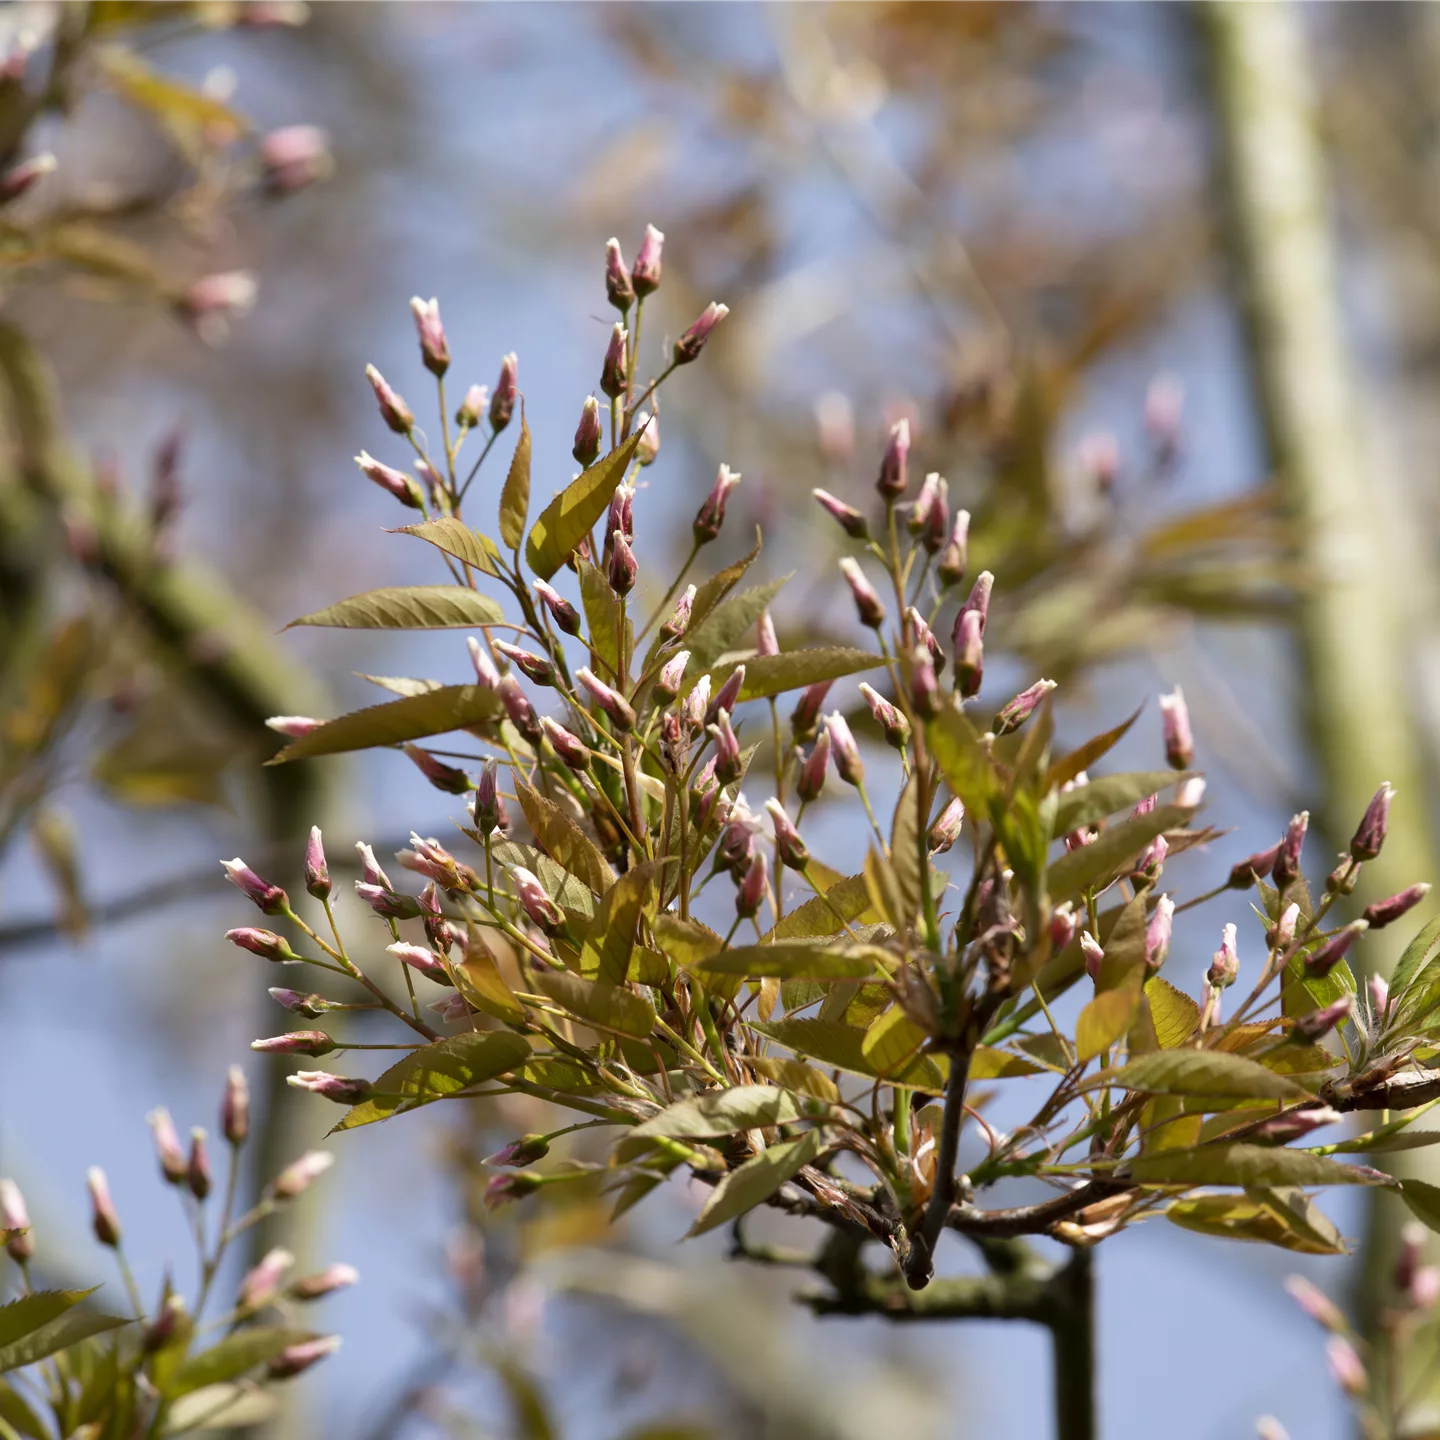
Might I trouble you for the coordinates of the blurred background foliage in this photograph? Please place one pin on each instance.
(1008, 222)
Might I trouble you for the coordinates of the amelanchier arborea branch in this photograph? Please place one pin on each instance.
(622, 930)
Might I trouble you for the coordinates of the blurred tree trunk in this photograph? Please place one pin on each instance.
(1356, 653)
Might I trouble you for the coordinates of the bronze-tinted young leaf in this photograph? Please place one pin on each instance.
(568, 518)
(963, 760)
(602, 618)
(843, 1047)
(435, 712)
(515, 497)
(1098, 863)
(409, 607)
(437, 1070)
(796, 960)
(757, 1180)
(610, 941)
(1175, 1014)
(1240, 1164)
(1105, 1019)
(686, 942)
(796, 1076)
(892, 1041)
(909, 847)
(730, 625)
(479, 980)
(1086, 804)
(1201, 1072)
(564, 840)
(456, 538)
(1241, 1217)
(723, 1112)
(605, 1007)
(988, 1063)
(235, 1356)
(767, 675)
(1067, 767)
(709, 593)
(849, 897)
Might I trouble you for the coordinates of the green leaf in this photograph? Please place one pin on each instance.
(723, 1112)
(409, 607)
(27, 1314)
(413, 717)
(565, 889)
(712, 591)
(610, 941)
(796, 960)
(15, 1412)
(1175, 1014)
(817, 917)
(1088, 803)
(988, 1063)
(757, 1180)
(231, 1407)
(602, 616)
(796, 1076)
(568, 518)
(1240, 1164)
(479, 980)
(1096, 864)
(234, 1356)
(909, 845)
(605, 1007)
(1413, 962)
(434, 1071)
(1242, 1217)
(515, 497)
(686, 942)
(963, 759)
(1067, 767)
(564, 840)
(1201, 1072)
(892, 1041)
(731, 625)
(767, 675)
(60, 1334)
(1423, 1200)
(456, 538)
(843, 1047)
(1104, 1020)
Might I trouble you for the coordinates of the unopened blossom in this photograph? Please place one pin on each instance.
(325, 1282)
(887, 716)
(806, 714)
(612, 367)
(299, 1175)
(586, 448)
(1164, 410)
(1098, 456)
(978, 601)
(167, 1146)
(1258, 865)
(1315, 1303)
(697, 702)
(197, 1166)
(624, 568)
(766, 643)
(1283, 933)
(679, 621)
(518, 708)
(930, 515)
(1319, 1023)
(711, 515)
(1294, 1125)
(448, 778)
(487, 812)
(753, 888)
(1346, 1367)
(293, 726)
(14, 1217)
(969, 653)
(235, 1107)
(694, 340)
(541, 909)
(955, 556)
(647, 426)
(340, 1088)
(1158, 932)
(317, 869)
(103, 1218)
(790, 849)
(1225, 963)
(299, 1357)
(672, 675)
(922, 634)
(835, 426)
(1175, 722)
(1370, 833)
(295, 1042)
(924, 684)
(1323, 960)
(15, 181)
(945, 830)
(608, 699)
(271, 899)
(524, 1151)
(405, 488)
(213, 301)
(567, 746)
(473, 406)
(893, 477)
(1063, 924)
(515, 1185)
(619, 289)
(848, 764)
(295, 156)
(434, 347)
(727, 749)
(1017, 711)
(502, 398)
(565, 615)
(265, 943)
(645, 273)
(868, 604)
(850, 520)
(393, 409)
(1387, 911)
(1093, 954)
(421, 958)
(535, 668)
(1287, 862)
(728, 695)
(811, 779)
(262, 1282)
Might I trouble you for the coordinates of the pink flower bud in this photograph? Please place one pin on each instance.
(293, 726)
(645, 272)
(850, 520)
(1287, 862)
(570, 750)
(1014, 714)
(1370, 833)
(969, 653)
(518, 708)
(1407, 1257)
(867, 601)
(1093, 954)
(612, 368)
(1190, 793)
(922, 634)
(295, 156)
(693, 341)
(1346, 1368)
(299, 1175)
(1385, 912)
(1324, 960)
(924, 686)
(211, 302)
(1425, 1287)
(271, 899)
(623, 566)
(727, 695)
(790, 849)
(565, 615)
(806, 714)
(1317, 1305)
(447, 778)
(524, 1151)
(727, 749)
(893, 479)
(393, 409)
(15, 181)
(473, 407)
(1343, 879)
(295, 1042)
(950, 568)
(1282, 1129)
(1164, 409)
(619, 289)
(262, 1283)
(502, 402)
(403, 487)
(1158, 932)
(487, 800)
(586, 449)
(1175, 719)
(434, 347)
(946, 829)
(1283, 933)
(1063, 925)
(504, 1189)
(672, 674)
(765, 642)
(711, 515)
(265, 943)
(235, 1107)
(811, 779)
(1098, 455)
(611, 701)
(103, 1218)
(317, 871)
(647, 452)
(535, 668)
(1244, 875)
(485, 671)
(679, 621)
(297, 1358)
(1225, 963)
(325, 1282)
(541, 909)
(311, 1006)
(420, 958)
(890, 719)
(167, 1146)
(15, 1218)
(1319, 1023)
(340, 1088)
(197, 1167)
(1152, 859)
(750, 895)
(735, 848)
(370, 867)
(848, 764)
(930, 515)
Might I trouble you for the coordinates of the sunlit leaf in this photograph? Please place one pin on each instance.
(723, 1112)
(1201, 1072)
(1240, 1164)
(1067, 767)
(610, 941)
(568, 518)
(605, 1007)
(968, 769)
(1104, 1020)
(796, 1076)
(818, 916)
(767, 675)
(456, 538)
(842, 1046)
(64, 1330)
(757, 1180)
(1423, 1200)
(988, 1063)
(1086, 804)
(409, 607)
(602, 616)
(1239, 1217)
(1098, 863)
(235, 1356)
(892, 1041)
(731, 625)
(1175, 1014)
(515, 497)
(413, 717)
(795, 960)
(564, 840)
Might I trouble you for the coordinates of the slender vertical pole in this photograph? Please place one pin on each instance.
(1072, 1333)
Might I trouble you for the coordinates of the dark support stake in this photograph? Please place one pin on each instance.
(1072, 1329)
